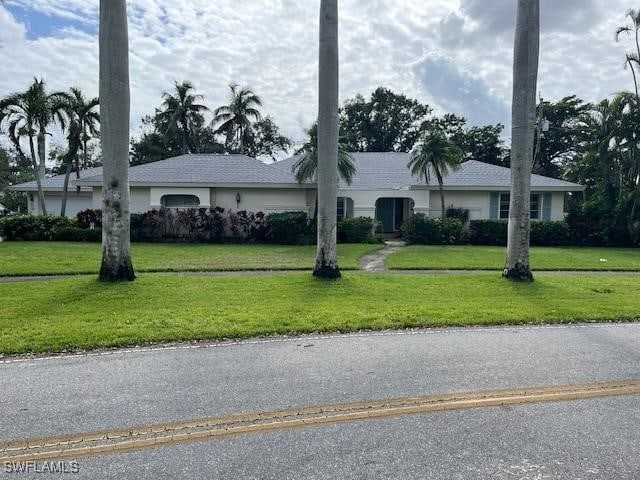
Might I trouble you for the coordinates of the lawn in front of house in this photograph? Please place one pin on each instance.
(58, 258)
(81, 313)
(467, 257)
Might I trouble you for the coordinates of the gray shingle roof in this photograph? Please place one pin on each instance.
(389, 171)
(57, 182)
(203, 169)
(373, 171)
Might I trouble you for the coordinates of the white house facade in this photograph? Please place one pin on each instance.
(382, 188)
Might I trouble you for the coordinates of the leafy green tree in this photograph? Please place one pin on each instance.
(306, 166)
(29, 115)
(388, 122)
(266, 140)
(235, 120)
(632, 59)
(181, 112)
(560, 142)
(435, 153)
(82, 125)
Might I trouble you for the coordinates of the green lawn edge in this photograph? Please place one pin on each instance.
(80, 314)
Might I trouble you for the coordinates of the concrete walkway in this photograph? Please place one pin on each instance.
(375, 262)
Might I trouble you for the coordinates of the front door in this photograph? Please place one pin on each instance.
(385, 214)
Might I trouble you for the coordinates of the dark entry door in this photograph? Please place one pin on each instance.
(385, 214)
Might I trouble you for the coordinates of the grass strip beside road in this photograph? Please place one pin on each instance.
(467, 257)
(81, 313)
(66, 258)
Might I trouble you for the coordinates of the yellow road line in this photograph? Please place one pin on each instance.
(124, 440)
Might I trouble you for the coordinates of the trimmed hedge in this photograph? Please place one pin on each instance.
(487, 232)
(357, 230)
(494, 232)
(75, 234)
(90, 216)
(33, 227)
(289, 228)
(420, 229)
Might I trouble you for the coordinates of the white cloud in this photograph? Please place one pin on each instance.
(453, 54)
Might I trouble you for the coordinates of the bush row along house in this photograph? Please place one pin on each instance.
(382, 188)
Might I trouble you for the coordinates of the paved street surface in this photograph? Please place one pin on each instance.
(587, 439)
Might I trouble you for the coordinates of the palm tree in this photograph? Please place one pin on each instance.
(29, 114)
(305, 168)
(83, 120)
(115, 108)
(435, 152)
(328, 133)
(235, 120)
(525, 77)
(180, 112)
(633, 59)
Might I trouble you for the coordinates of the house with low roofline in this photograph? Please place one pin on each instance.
(382, 188)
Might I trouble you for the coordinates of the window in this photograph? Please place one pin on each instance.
(535, 206)
(180, 201)
(345, 208)
(504, 206)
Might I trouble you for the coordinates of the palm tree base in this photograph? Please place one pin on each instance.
(123, 273)
(327, 272)
(518, 273)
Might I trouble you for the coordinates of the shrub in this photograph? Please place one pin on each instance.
(494, 232)
(75, 234)
(549, 234)
(33, 227)
(357, 230)
(90, 216)
(288, 228)
(487, 232)
(422, 230)
(461, 214)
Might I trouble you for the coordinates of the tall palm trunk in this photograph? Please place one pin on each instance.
(85, 155)
(115, 110)
(42, 153)
(65, 190)
(42, 207)
(525, 76)
(327, 258)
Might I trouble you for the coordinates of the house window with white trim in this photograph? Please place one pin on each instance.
(180, 201)
(345, 208)
(535, 206)
(504, 206)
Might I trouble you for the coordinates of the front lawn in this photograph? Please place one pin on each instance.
(419, 257)
(57, 258)
(81, 313)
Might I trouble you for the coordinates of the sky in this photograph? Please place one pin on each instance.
(455, 55)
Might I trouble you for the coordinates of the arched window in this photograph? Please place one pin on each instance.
(180, 201)
(345, 208)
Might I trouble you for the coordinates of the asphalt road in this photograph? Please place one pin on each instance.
(581, 439)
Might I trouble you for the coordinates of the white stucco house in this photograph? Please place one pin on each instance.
(383, 188)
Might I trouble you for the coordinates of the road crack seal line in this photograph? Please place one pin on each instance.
(125, 440)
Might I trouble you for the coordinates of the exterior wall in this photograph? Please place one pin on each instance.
(476, 202)
(364, 201)
(267, 200)
(53, 200)
(156, 194)
(557, 206)
(479, 203)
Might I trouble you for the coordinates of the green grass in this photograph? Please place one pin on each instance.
(81, 313)
(492, 258)
(59, 258)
